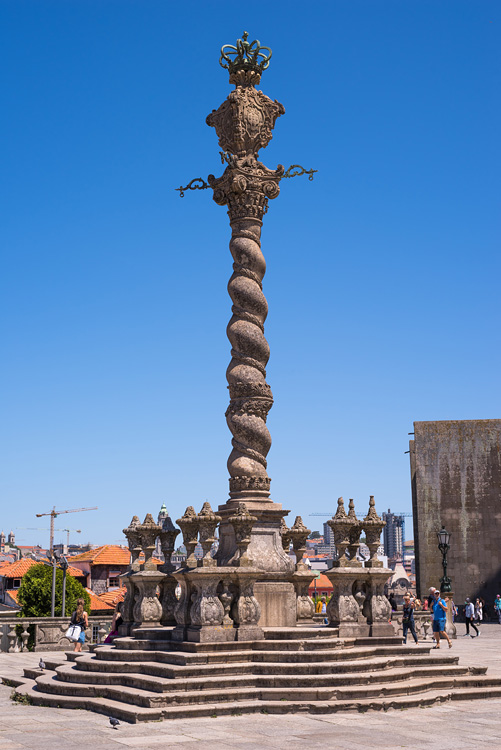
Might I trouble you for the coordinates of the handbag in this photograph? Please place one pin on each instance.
(73, 633)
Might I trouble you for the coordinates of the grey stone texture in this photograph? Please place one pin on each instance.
(456, 481)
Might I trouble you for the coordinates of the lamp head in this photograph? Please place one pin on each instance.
(443, 537)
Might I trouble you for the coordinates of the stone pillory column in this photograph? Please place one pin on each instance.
(244, 124)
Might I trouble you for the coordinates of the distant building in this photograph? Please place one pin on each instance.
(394, 536)
(329, 548)
(104, 565)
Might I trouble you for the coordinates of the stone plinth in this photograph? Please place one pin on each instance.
(358, 606)
(450, 628)
(147, 611)
(217, 604)
(305, 609)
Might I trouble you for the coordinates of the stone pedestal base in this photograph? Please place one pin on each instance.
(217, 604)
(277, 600)
(358, 606)
(147, 608)
(305, 609)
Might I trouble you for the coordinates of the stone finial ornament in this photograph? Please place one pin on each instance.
(299, 533)
(341, 525)
(167, 535)
(242, 522)
(373, 526)
(189, 525)
(285, 535)
(148, 532)
(207, 524)
(134, 543)
(354, 535)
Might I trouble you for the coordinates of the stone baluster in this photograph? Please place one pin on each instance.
(207, 524)
(101, 633)
(373, 526)
(12, 637)
(25, 636)
(189, 525)
(242, 522)
(299, 534)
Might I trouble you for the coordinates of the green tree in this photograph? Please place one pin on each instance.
(35, 592)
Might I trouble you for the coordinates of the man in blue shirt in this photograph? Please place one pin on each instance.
(439, 618)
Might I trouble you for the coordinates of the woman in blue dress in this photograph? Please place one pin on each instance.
(439, 617)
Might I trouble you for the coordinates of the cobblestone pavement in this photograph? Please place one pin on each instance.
(469, 724)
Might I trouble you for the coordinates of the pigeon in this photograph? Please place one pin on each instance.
(41, 664)
(114, 722)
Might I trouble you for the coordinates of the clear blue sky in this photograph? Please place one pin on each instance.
(383, 273)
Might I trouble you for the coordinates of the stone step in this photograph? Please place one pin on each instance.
(314, 631)
(68, 673)
(89, 663)
(133, 714)
(333, 653)
(148, 699)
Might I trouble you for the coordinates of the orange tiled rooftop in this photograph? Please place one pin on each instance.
(107, 554)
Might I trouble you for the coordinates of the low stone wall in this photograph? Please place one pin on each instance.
(46, 633)
(422, 620)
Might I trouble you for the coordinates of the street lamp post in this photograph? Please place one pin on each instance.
(444, 547)
(445, 582)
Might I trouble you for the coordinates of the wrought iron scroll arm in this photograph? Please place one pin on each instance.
(192, 185)
(296, 170)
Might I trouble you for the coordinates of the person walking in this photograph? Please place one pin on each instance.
(80, 618)
(439, 610)
(497, 607)
(408, 618)
(469, 616)
(479, 611)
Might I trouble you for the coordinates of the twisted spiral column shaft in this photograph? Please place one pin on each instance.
(250, 395)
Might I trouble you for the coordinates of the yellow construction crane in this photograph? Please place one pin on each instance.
(54, 514)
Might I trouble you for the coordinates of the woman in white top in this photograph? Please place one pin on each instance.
(479, 611)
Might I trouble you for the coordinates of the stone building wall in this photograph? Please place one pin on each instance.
(456, 481)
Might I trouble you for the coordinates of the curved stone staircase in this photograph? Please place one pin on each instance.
(149, 677)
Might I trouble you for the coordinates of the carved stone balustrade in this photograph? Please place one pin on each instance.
(189, 525)
(358, 606)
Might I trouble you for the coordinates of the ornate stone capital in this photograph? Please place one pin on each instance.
(242, 522)
(148, 532)
(299, 533)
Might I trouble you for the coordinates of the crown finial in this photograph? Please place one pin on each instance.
(245, 56)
